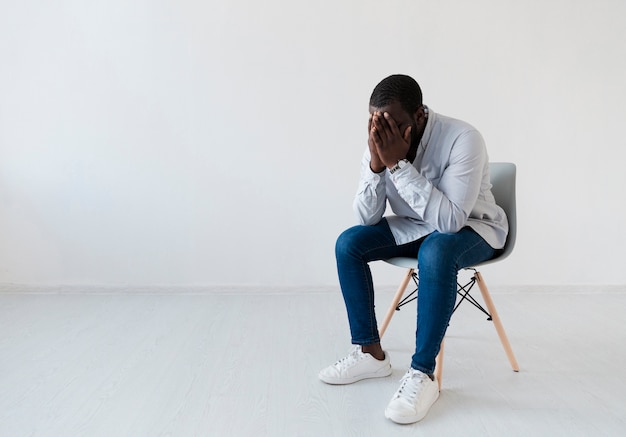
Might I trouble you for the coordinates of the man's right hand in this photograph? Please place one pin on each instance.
(376, 165)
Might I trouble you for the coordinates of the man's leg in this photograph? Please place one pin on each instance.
(355, 248)
(439, 259)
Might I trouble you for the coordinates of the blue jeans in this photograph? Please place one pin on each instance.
(439, 258)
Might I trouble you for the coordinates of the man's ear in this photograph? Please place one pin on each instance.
(419, 116)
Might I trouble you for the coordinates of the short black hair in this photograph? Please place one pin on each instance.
(397, 88)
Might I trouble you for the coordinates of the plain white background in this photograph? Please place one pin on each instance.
(202, 143)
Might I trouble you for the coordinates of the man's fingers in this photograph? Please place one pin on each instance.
(393, 127)
(381, 125)
(407, 134)
(375, 136)
(372, 133)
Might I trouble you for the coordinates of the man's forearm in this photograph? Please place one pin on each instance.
(370, 201)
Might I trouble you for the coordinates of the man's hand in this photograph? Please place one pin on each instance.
(376, 165)
(388, 142)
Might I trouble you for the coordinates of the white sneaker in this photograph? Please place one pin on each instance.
(417, 393)
(355, 367)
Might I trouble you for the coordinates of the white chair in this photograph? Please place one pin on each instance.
(503, 181)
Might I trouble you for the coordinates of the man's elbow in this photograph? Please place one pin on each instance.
(452, 225)
(366, 221)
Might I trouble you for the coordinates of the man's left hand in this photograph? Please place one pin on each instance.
(391, 144)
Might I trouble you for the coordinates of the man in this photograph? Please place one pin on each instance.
(434, 172)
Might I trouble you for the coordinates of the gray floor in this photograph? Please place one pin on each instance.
(245, 363)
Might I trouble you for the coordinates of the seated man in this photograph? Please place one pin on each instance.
(434, 172)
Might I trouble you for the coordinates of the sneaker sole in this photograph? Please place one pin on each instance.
(385, 371)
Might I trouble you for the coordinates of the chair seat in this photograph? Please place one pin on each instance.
(411, 263)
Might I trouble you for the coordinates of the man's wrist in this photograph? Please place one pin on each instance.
(377, 169)
(399, 165)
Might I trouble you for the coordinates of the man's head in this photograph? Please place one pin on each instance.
(397, 88)
(401, 97)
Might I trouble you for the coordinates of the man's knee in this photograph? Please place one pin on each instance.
(346, 242)
(357, 240)
(437, 251)
(361, 240)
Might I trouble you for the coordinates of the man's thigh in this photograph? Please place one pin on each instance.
(464, 248)
(373, 243)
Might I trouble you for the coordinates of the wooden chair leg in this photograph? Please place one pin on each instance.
(496, 321)
(395, 301)
(439, 365)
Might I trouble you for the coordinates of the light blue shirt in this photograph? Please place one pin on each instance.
(446, 188)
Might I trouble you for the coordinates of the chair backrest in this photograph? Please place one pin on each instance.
(503, 189)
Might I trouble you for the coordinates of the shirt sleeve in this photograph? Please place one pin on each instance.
(370, 201)
(447, 205)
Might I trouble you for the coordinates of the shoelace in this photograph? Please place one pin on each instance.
(411, 384)
(352, 357)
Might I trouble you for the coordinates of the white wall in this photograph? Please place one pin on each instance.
(205, 143)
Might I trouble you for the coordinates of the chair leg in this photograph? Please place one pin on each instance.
(395, 301)
(439, 365)
(496, 321)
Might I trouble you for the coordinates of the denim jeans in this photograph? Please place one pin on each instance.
(438, 257)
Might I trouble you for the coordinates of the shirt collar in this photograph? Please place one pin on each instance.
(430, 121)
